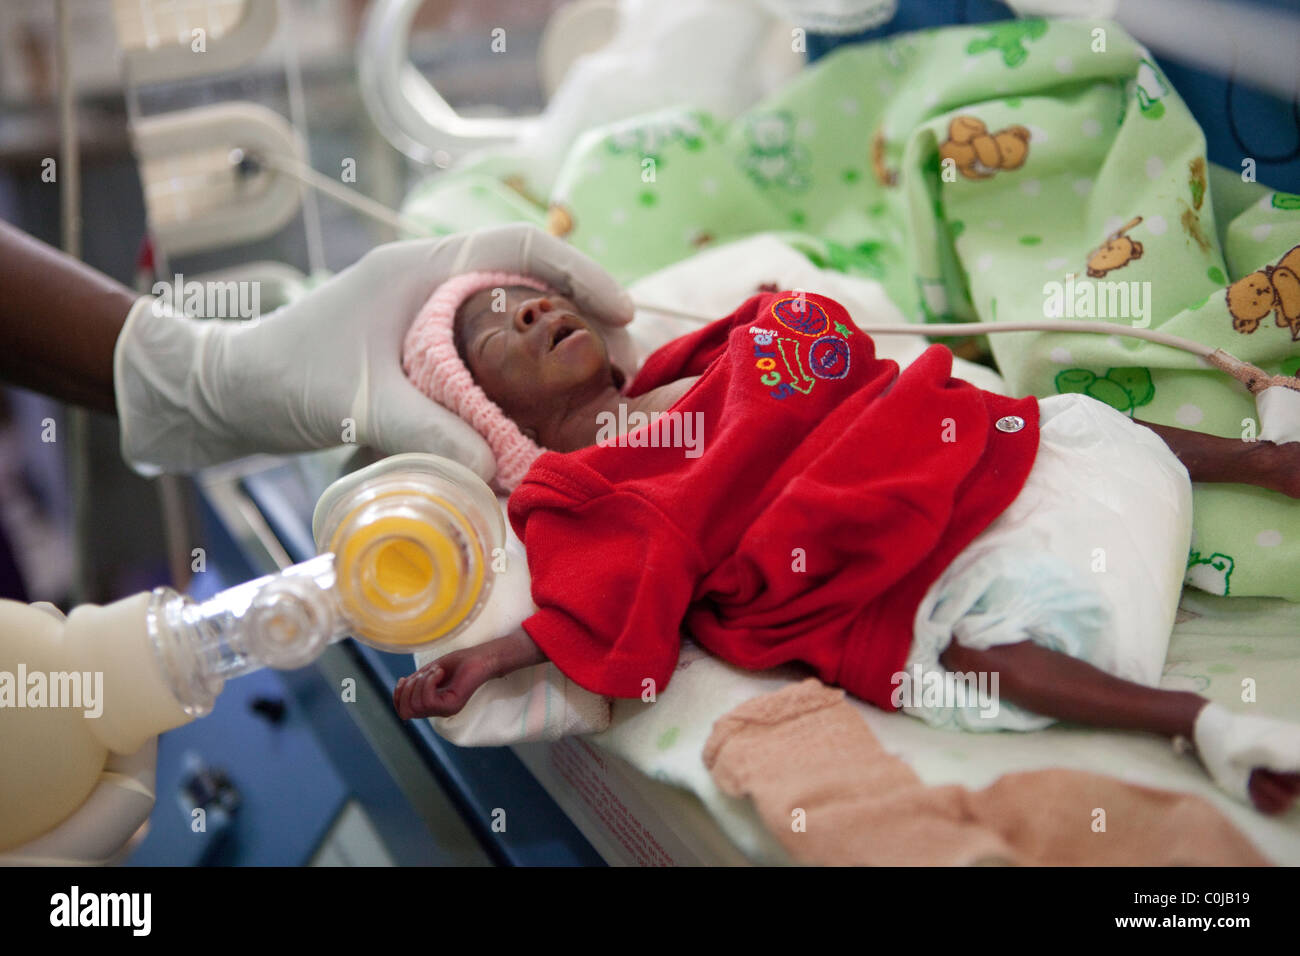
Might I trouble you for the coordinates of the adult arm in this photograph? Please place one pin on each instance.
(59, 322)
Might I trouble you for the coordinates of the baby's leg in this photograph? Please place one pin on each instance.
(1211, 458)
(1057, 685)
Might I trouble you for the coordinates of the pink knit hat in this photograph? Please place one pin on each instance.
(431, 362)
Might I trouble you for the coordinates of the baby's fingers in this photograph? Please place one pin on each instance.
(402, 697)
(410, 691)
(432, 700)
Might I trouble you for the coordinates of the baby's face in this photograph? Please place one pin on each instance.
(531, 351)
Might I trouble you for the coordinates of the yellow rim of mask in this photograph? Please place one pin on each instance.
(385, 567)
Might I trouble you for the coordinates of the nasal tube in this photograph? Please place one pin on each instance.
(407, 546)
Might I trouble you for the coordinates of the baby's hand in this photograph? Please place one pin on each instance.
(441, 688)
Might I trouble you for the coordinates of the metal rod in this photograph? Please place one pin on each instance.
(69, 178)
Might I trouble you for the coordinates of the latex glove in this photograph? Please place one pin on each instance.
(194, 392)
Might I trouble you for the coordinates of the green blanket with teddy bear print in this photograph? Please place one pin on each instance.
(1018, 170)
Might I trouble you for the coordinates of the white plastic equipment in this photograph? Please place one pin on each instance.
(405, 106)
(195, 198)
(159, 37)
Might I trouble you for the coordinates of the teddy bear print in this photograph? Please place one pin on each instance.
(884, 175)
(651, 138)
(1123, 389)
(559, 221)
(1151, 90)
(774, 158)
(1008, 38)
(1210, 574)
(1273, 289)
(977, 154)
(1116, 252)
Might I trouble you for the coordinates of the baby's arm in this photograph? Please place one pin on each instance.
(441, 688)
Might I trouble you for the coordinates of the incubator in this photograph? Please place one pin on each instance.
(407, 546)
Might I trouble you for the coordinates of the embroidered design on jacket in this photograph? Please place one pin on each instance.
(789, 366)
(801, 315)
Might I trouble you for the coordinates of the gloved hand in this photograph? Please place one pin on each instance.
(194, 392)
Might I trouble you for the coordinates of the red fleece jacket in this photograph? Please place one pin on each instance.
(828, 493)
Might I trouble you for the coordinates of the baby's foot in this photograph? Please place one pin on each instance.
(1255, 759)
(1273, 792)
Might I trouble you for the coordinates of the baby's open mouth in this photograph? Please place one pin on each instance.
(562, 330)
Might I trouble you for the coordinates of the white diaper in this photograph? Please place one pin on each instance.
(1088, 559)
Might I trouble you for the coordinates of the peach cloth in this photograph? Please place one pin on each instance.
(806, 747)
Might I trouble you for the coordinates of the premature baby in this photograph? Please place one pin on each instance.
(829, 493)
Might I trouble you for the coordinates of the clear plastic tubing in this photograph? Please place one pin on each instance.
(410, 544)
(282, 620)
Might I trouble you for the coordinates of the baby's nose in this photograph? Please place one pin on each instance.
(530, 311)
